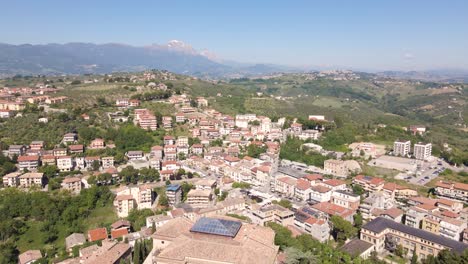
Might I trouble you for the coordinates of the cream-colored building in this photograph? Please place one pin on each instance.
(31, 179)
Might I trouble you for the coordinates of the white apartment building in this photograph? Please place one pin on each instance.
(401, 148)
(422, 151)
(65, 163)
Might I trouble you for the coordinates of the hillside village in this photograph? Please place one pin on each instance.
(226, 178)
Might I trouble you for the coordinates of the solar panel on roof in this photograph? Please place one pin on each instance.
(215, 226)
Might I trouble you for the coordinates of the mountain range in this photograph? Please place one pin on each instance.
(175, 56)
(80, 58)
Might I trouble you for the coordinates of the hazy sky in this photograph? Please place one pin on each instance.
(368, 35)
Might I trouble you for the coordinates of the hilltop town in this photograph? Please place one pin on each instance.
(156, 171)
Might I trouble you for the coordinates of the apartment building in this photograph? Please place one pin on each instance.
(312, 223)
(453, 190)
(368, 183)
(174, 194)
(124, 204)
(423, 243)
(11, 179)
(285, 186)
(199, 198)
(65, 163)
(319, 193)
(141, 197)
(30, 163)
(345, 199)
(273, 213)
(72, 184)
(107, 162)
(401, 148)
(31, 179)
(422, 151)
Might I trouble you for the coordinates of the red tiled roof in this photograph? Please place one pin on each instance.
(332, 209)
(393, 212)
(120, 223)
(461, 186)
(97, 234)
(313, 177)
(119, 232)
(28, 158)
(302, 184)
(450, 214)
(334, 182)
(288, 180)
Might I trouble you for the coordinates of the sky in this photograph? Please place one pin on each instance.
(367, 35)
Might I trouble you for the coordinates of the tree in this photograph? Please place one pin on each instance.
(342, 229)
(357, 189)
(163, 201)
(358, 220)
(283, 202)
(96, 164)
(136, 253)
(414, 258)
(399, 251)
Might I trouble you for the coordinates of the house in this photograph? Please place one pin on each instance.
(97, 234)
(174, 194)
(312, 223)
(97, 143)
(320, 193)
(358, 248)
(285, 186)
(199, 198)
(48, 160)
(345, 199)
(70, 138)
(107, 162)
(73, 184)
(398, 191)
(16, 150)
(116, 233)
(272, 213)
(29, 257)
(134, 155)
(124, 203)
(180, 118)
(197, 149)
(368, 183)
(417, 129)
(157, 221)
(30, 179)
(65, 163)
(90, 162)
(36, 145)
(75, 149)
(334, 184)
(302, 190)
(156, 152)
(328, 209)
(28, 162)
(75, 239)
(57, 152)
(169, 140)
(341, 168)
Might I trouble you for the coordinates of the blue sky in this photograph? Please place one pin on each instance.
(368, 35)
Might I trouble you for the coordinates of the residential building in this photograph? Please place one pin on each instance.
(107, 162)
(141, 197)
(72, 184)
(135, 155)
(75, 239)
(156, 152)
(199, 198)
(65, 163)
(31, 179)
(74, 149)
(16, 150)
(11, 179)
(28, 162)
(29, 257)
(327, 210)
(345, 199)
(273, 213)
(358, 248)
(312, 223)
(285, 186)
(70, 138)
(341, 168)
(320, 193)
(422, 151)
(401, 148)
(453, 190)
(423, 243)
(174, 194)
(97, 234)
(368, 183)
(97, 143)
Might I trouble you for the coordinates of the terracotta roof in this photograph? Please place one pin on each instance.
(392, 186)
(334, 182)
(313, 177)
(119, 232)
(71, 179)
(332, 209)
(302, 184)
(288, 180)
(28, 158)
(427, 207)
(97, 234)
(461, 186)
(450, 214)
(124, 197)
(445, 202)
